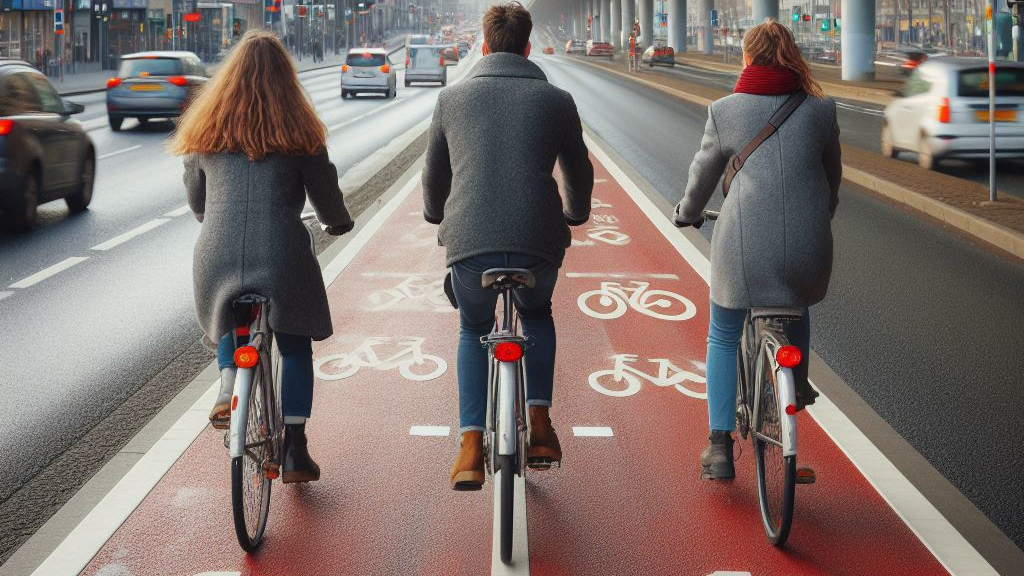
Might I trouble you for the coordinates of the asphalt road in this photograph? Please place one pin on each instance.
(925, 325)
(81, 342)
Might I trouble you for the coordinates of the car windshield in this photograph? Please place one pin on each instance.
(366, 59)
(142, 67)
(974, 83)
(425, 57)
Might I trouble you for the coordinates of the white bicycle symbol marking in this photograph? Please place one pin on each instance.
(615, 298)
(595, 203)
(413, 293)
(410, 356)
(625, 380)
(604, 233)
(605, 219)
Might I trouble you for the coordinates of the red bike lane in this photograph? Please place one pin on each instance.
(632, 319)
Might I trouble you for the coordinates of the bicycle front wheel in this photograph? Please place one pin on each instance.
(250, 485)
(776, 474)
(507, 499)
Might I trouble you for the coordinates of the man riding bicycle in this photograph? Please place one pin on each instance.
(492, 147)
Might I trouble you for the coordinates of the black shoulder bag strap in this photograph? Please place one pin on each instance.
(777, 120)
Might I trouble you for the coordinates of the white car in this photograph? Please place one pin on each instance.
(943, 112)
(368, 70)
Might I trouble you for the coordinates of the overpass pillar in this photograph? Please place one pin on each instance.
(628, 17)
(677, 25)
(765, 9)
(615, 22)
(705, 31)
(606, 20)
(858, 40)
(646, 21)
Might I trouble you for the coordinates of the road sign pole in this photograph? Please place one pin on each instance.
(989, 16)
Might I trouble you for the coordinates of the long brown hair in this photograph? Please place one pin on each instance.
(772, 44)
(254, 104)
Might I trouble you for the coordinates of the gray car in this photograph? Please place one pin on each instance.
(943, 112)
(368, 70)
(425, 63)
(153, 85)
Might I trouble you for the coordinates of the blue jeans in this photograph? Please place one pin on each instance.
(296, 369)
(724, 335)
(476, 319)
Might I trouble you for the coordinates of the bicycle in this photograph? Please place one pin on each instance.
(766, 410)
(506, 438)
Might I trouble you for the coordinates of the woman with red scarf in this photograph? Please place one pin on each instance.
(772, 244)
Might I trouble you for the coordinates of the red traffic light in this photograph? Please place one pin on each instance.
(807, 17)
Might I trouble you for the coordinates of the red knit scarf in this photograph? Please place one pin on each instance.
(767, 81)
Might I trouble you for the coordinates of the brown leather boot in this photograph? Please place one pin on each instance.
(544, 447)
(468, 470)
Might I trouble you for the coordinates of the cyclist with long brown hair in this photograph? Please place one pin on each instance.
(773, 242)
(254, 150)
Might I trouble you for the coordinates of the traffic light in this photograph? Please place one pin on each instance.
(796, 14)
(807, 17)
(825, 25)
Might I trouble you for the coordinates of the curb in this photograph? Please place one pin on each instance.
(998, 236)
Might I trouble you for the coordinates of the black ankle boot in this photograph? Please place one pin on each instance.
(297, 465)
(716, 461)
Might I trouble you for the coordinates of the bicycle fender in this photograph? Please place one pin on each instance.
(239, 412)
(787, 397)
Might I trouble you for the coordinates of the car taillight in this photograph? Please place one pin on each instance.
(944, 111)
(178, 80)
(407, 62)
(6, 126)
(789, 356)
(385, 69)
(442, 60)
(508, 352)
(113, 83)
(344, 68)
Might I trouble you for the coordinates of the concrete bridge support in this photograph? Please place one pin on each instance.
(858, 40)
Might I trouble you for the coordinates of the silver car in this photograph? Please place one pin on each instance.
(153, 85)
(943, 112)
(368, 70)
(425, 63)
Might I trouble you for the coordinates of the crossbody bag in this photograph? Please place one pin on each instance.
(777, 120)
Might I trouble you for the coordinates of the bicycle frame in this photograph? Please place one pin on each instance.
(506, 399)
(261, 339)
(771, 339)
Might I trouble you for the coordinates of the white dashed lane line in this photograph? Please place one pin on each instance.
(117, 152)
(130, 234)
(620, 275)
(46, 273)
(5, 295)
(430, 431)
(592, 432)
(178, 212)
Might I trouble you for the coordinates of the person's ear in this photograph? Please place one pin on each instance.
(485, 49)
(528, 46)
(746, 59)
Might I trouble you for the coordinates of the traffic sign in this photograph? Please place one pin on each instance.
(301, 11)
(714, 18)
(58, 21)
(192, 17)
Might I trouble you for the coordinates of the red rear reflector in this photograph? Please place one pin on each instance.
(508, 351)
(944, 112)
(406, 61)
(234, 403)
(344, 68)
(385, 69)
(113, 83)
(789, 356)
(178, 80)
(246, 357)
(242, 331)
(791, 410)
(6, 126)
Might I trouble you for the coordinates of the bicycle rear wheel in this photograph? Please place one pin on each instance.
(776, 474)
(250, 485)
(506, 495)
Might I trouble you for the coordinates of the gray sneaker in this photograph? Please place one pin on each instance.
(716, 462)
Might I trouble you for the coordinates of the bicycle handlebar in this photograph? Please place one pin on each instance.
(331, 230)
(707, 215)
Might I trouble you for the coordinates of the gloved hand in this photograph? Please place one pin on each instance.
(340, 229)
(680, 223)
(574, 222)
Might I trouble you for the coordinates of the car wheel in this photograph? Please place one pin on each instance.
(22, 212)
(80, 199)
(925, 157)
(344, 94)
(115, 123)
(143, 121)
(888, 150)
(406, 83)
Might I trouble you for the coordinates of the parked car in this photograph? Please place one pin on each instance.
(418, 40)
(153, 85)
(450, 53)
(659, 55)
(425, 64)
(574, 46)
(602, 49)
(943, 112)
(368, 70)
(549, 50)
(44, 154)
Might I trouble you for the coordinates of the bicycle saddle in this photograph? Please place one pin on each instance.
(776, 312)
(507, 279)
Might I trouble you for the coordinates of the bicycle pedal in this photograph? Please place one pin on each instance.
(805, 475)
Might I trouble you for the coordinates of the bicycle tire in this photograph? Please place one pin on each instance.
(776, 474)
(251, 507)
(507, 496)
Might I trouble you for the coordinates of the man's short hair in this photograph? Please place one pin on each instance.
(507, 28)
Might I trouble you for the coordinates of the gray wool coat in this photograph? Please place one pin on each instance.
(491, 150)
(772, 245)
(253, 239)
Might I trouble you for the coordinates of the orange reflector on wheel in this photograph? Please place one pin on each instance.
(789, 356)
(508, 351)
(791, 410)
(246, 357)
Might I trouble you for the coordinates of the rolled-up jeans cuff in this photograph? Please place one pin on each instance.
(465, 429)
(546, 403)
